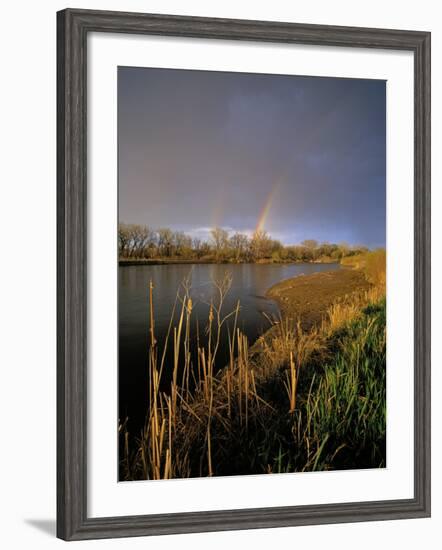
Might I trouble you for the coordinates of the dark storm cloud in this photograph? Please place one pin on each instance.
(198, 149)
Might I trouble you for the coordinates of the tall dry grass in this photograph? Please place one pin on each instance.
(372, 264)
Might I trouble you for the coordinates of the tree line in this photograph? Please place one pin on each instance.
(141, 242)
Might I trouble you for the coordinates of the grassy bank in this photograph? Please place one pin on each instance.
(309, 395)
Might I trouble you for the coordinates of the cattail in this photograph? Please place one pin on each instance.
(151, 316)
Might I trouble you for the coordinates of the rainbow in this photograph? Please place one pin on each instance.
(266, 209)
(218, 210)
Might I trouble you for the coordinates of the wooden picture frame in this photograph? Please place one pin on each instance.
(73, 27)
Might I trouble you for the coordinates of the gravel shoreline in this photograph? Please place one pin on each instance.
(307, 297)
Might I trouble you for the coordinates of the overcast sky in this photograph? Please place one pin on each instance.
(301, 157)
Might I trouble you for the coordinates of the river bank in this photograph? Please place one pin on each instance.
(307, 298)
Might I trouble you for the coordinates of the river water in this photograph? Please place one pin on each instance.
(249, 285)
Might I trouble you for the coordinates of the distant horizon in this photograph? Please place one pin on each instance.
(299, 157)
(204, 233)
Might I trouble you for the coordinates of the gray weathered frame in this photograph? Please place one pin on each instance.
(73, 27)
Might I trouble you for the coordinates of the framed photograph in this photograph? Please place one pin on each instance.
(243, 274)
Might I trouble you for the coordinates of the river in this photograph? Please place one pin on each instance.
(249, 285)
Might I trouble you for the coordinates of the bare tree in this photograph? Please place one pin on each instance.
(134, 240)
(197, 247)
(239, 244)
(150, 243)
(261, 245)
(165, 241)
(123, 240)
(182, 244)
(220, 239)
(310, 243)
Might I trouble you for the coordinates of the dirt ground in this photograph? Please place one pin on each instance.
(308, 297)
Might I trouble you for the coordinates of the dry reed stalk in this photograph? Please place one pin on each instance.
(167, 466)
(187, 353)
(239, 361)
(209, 343)
(255, 393)
(151, 315)
(209, 421)
(228, 389)
(169, 411)
(176, 356)
(154, 432)
(169, 329)
(291, 384)
(209, 452)
(245, 352)
(206, 373)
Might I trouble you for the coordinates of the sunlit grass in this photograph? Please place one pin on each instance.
(372, 263)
